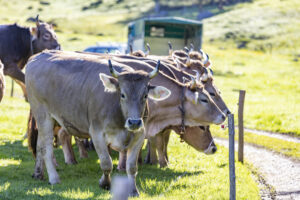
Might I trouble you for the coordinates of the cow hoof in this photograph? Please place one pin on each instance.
(38, 176)
(104, 183)
(121, 169)
(53, 181)
(134, 193)
(71, 162)
(163, 164)
(153, 162)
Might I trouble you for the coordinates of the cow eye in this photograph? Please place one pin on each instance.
(212, 94)
(46, 36)
(146, 96)
(204, 100)
(122, 95)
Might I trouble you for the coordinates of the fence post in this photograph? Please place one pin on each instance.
(231, 156)
(241, 125)
(12, 88)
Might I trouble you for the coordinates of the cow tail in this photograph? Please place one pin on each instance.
(32, 133)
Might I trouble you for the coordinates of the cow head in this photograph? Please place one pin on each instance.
(200, 106)
(206, 78)
(133, 89)
(43, 37)
(200, 138)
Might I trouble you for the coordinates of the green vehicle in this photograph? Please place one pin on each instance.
(158, 31)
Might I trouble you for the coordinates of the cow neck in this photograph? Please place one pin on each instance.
(33, 46)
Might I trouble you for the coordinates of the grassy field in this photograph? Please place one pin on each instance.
(270, 76)
(201, 176)
(266, 65)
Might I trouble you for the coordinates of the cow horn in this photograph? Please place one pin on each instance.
(197, 75)
(112, 70)
(186, 49)
(204, 76)
(193, 82)
(192, 47)
(211, 71)
(155, 71)
(170, 48)
(148, 49)
(37, 21)
(130, 48)
(188, 60)
(177, 63)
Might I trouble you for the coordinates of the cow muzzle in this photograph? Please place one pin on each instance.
(58, 47)
(220, 119)
(134, 125)
(211, 149)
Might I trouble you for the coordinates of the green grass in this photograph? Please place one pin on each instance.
(272, 87)
(202, 176)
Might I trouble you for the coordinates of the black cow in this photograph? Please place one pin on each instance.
(18, 43)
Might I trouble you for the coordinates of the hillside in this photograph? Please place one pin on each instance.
(266, 32)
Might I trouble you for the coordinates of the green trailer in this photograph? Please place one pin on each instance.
(158, 31)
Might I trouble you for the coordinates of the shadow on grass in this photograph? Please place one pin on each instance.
(78, 181)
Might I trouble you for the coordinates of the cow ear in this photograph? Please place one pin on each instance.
(158, 93)
(110, 83)
(34, 32)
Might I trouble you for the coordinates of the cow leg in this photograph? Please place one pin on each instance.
(15, 73)
(45, 146)
(140, 159)
(122, 161)
(105, 159)
(81, 147)
(66, 143)
(166, 137)
(153, 154)
(131, 165)
(160, 149)
(147, 158)
(23, 87)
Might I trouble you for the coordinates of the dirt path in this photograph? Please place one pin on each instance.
(282, 173)
(274, 135)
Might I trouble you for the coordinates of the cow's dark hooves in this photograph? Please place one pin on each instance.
(104, 184)
(38, 176)
(73, 162)
(134, 193)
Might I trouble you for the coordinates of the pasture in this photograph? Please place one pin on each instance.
(191, 175)
(249, 50)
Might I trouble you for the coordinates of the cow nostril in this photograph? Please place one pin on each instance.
(214, 149)
(223, 117)
(139, 122)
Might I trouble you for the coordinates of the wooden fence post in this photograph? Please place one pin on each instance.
(241, 125)
(12, 88)
(231, 156)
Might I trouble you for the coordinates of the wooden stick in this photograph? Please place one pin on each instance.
(12, 88)
(231, 156)
(241, 125)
